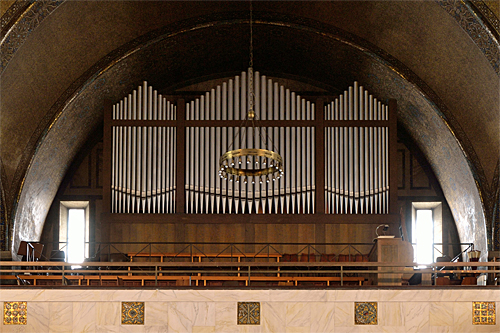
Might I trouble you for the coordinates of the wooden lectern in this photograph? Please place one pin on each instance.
(389, 249)
(31, 251)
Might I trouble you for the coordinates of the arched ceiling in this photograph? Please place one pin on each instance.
(55, 81)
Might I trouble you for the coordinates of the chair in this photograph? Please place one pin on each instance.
(327, 257)
(444, 258)
(343, 258)
(57, 255)
(304, 257)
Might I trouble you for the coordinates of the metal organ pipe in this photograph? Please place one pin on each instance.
(293, 193)
(357, 158)
(142, 157)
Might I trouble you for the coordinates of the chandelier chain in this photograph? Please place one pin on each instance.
(251, 96)
(268, 165)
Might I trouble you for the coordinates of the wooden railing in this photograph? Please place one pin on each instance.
(241, 274)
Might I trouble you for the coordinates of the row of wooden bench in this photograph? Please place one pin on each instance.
(239, 257)
(181, 280)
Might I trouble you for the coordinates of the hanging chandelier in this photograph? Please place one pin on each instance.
(251, 164)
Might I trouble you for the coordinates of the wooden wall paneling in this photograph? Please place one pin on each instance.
(166, 233)
(401, 169)
(180, 235)
(83, 175)
(98, 169)
(305, 233)
(260, 233)
(418, 177)
(320, 236)
(98, 221)
(332, 235)
(393, 163)
(249, 237)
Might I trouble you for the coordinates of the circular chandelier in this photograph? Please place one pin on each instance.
(251, 164)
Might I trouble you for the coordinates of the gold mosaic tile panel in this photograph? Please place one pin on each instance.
(483, 313)
(248, 313)
(132, 313)
(365, 313)
(15, 313)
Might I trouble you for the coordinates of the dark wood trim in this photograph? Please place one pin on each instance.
(319, 157)
(238, 123)
(180, 164)
(403, 168)
(375, 219)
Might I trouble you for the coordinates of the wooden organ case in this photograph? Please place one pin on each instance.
(161, 157)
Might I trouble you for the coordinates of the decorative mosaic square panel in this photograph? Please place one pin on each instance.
(483, 313)
(132, 313)
(15, 313)
(248, 313)
(365, 313)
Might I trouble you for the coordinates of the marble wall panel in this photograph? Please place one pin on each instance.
(322, 316)
(273, 316)
(441, 314)
(38, 317)
(225, 317)
(108, 313)
(391, 314)
(191, 310)
(416, 316)
(344, 314)
(298, 315)
(84, 315)
(60, 316)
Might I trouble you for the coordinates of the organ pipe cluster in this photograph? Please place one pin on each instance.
(357, 158)
(287, 193)
(143, 157)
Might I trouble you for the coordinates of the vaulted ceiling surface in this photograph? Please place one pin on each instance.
(183, 41)
(421, 35)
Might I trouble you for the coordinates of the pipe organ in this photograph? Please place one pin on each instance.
(163, 154)
(357, 158)
(143, 168)
(207, 193)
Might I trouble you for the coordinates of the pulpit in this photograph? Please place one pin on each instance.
(388, 249)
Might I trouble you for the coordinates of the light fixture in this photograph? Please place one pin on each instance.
(251, 162)
(385, 227)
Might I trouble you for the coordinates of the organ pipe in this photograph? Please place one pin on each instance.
(357, 158)
(291, 194)
(143, 156)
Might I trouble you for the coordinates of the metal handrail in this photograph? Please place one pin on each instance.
(195, 268)
(309, 247)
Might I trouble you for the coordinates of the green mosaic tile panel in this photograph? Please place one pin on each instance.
(132, 313)
(365, 313)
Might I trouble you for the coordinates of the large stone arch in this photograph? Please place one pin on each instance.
(299, 48)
